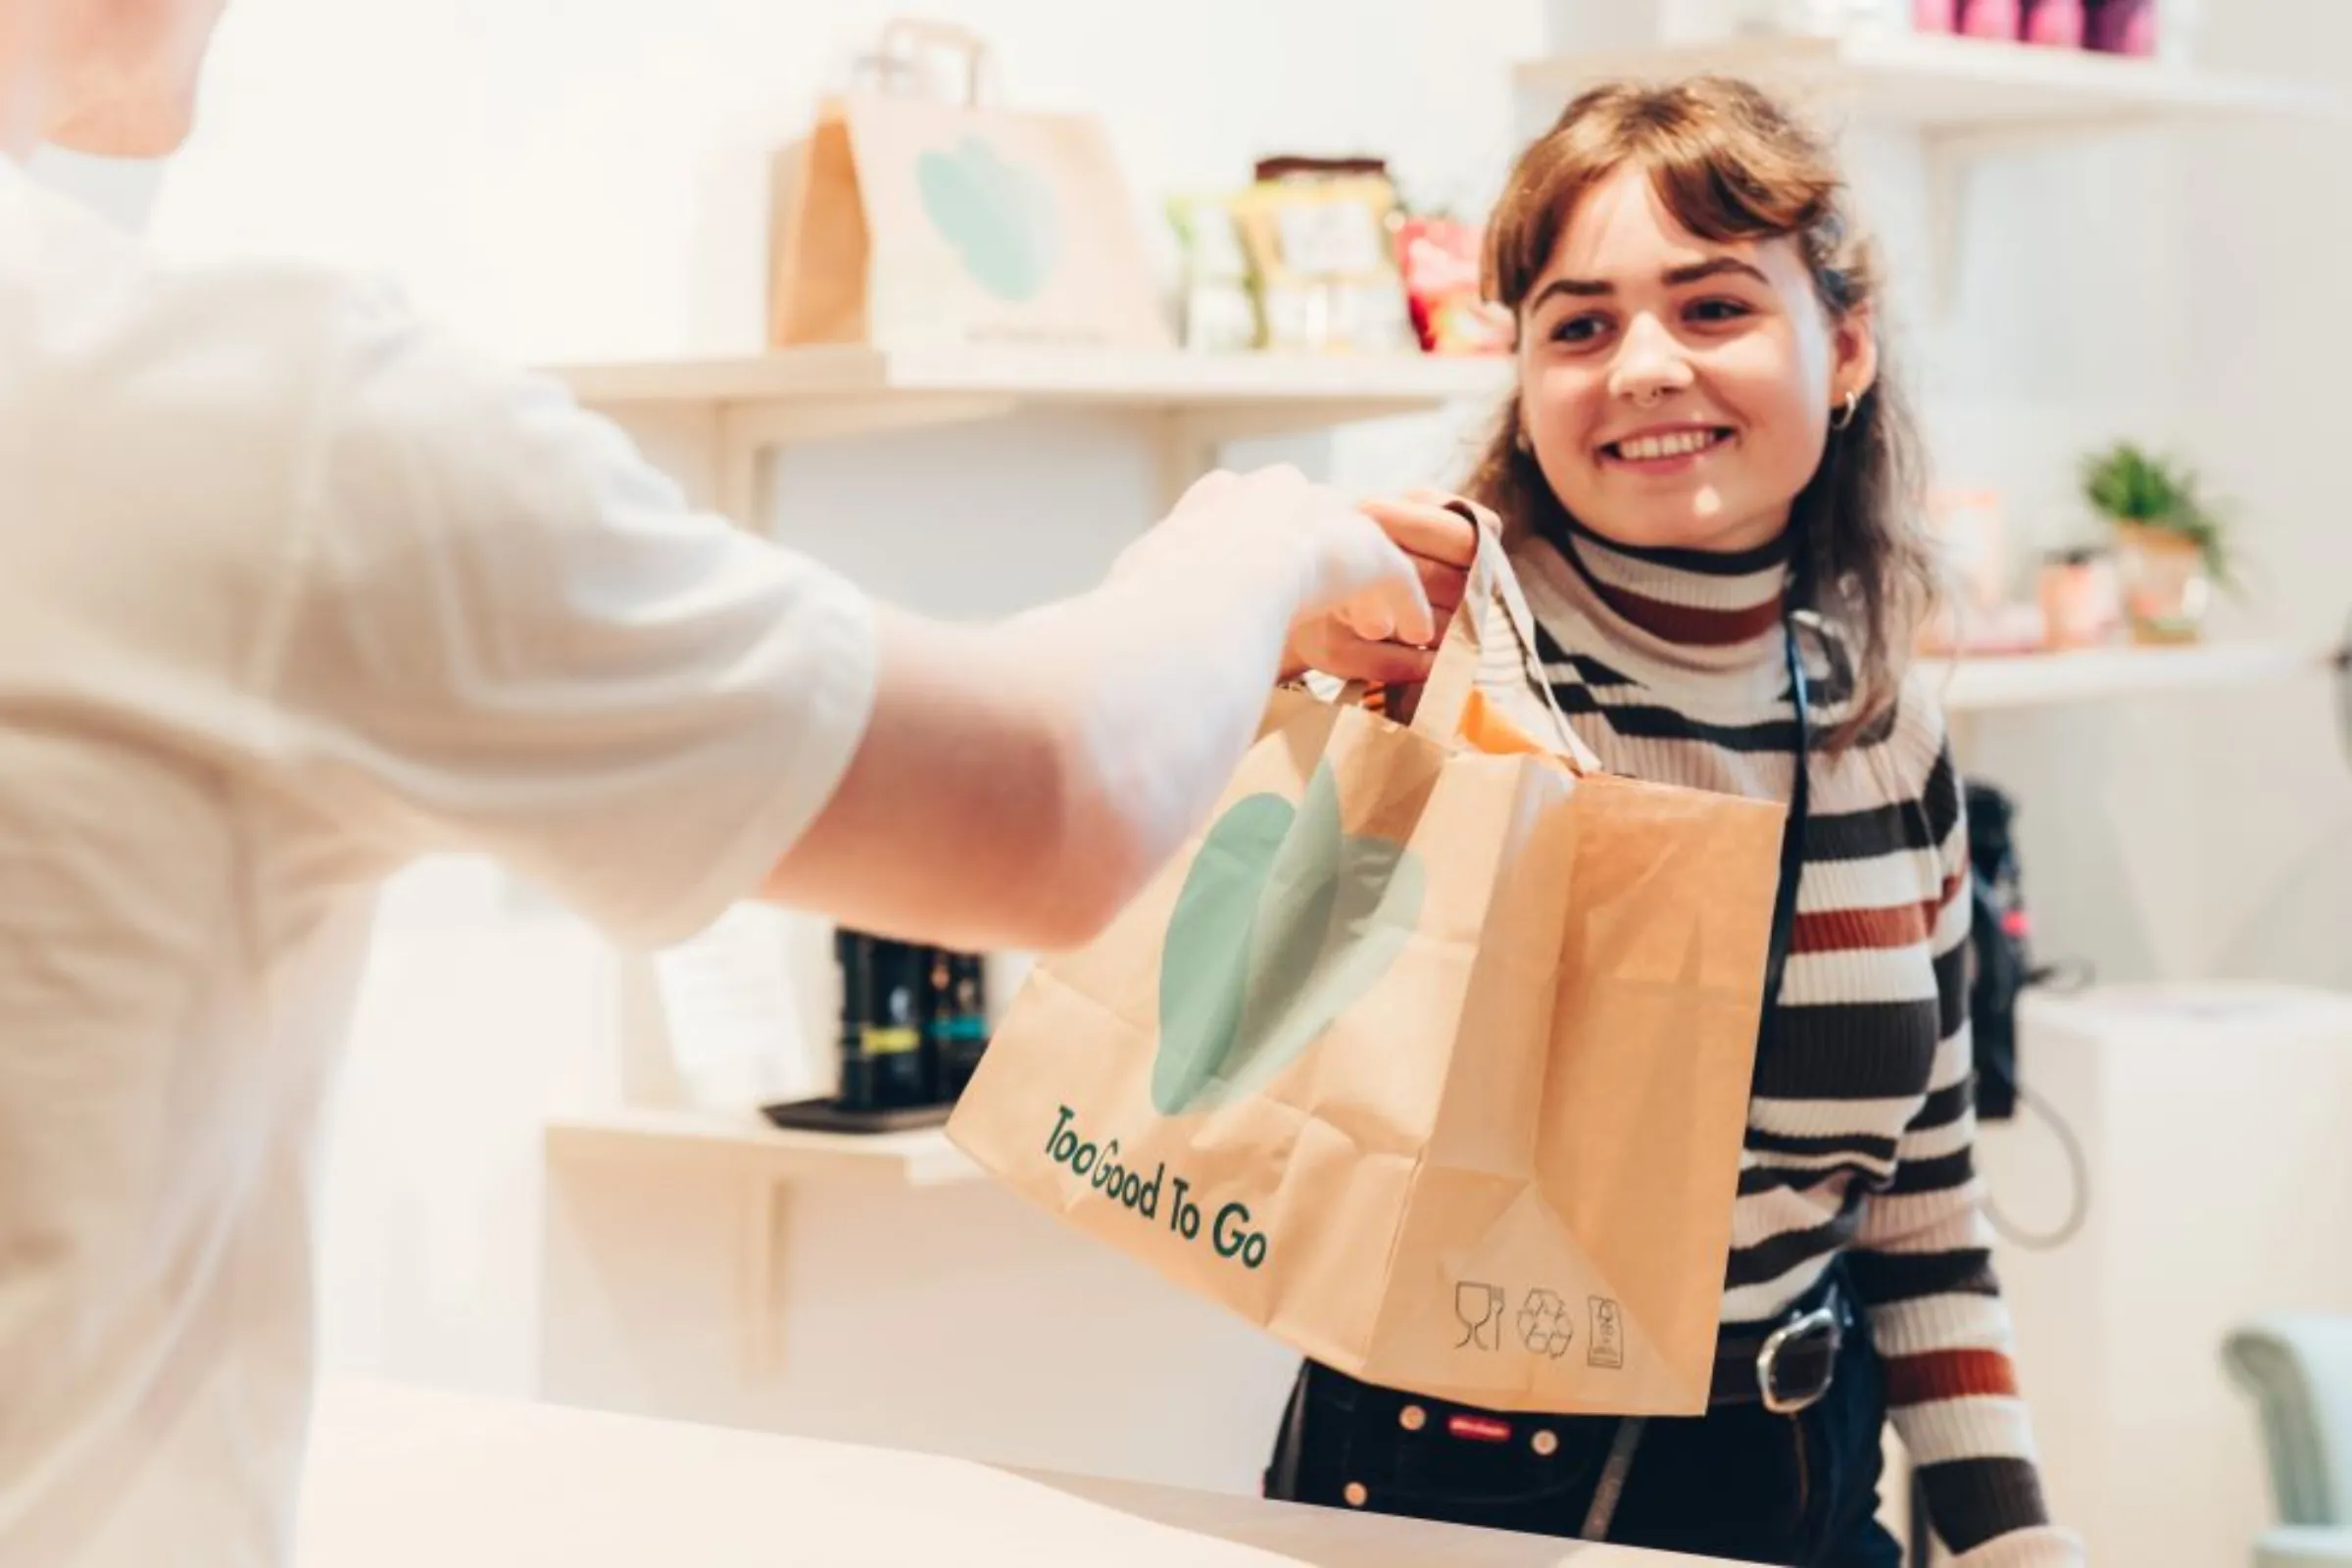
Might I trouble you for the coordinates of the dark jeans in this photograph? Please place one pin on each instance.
(1739, 1483)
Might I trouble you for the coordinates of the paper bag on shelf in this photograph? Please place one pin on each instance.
(1431, 1055)
(916, 216)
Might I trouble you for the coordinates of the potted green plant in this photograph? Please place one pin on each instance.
(2172, 545)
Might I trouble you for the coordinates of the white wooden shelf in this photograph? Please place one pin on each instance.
(764, 1163)
(1983, 682)
(1967, 98)
(1194, 403)
(922, 1157)
(1944, 84)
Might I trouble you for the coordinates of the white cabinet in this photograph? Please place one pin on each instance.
(2213, 1125)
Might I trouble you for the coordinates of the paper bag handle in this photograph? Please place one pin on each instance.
(908, 42)
(1493, 585)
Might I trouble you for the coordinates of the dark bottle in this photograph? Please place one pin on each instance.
(939, 1005)
(894, 1024)
(959, 1019)
(854, 955)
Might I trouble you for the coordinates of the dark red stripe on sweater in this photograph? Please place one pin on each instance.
(1693, 625)
(1859, 930)
(1933, 1375)
(1905, 925)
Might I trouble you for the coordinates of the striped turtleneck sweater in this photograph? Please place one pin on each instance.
(1670, 665)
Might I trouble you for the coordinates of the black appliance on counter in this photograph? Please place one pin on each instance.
(913, 1026)
(2000, 965)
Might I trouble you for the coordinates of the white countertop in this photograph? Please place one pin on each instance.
(401, 1478)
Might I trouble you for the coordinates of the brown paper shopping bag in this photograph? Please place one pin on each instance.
(913, 218)
(1430, 1061)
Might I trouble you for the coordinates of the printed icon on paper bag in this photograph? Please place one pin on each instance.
(996, 215)
(1608, 1349)
(1284, 922)
(1480, 1307)
(1543, 1325)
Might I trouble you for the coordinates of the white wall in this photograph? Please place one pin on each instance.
(2274, 786)
(589, 179)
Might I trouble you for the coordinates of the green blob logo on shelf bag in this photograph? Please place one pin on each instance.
(1284, 923)
(998, 215)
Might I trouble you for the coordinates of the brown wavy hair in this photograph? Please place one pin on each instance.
(1732, 165)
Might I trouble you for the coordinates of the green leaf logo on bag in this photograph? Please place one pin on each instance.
(1284, 923)
(996, 215)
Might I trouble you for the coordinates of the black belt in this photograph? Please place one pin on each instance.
(1787, 1366)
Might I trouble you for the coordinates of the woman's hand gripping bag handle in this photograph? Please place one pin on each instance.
(1487, 690)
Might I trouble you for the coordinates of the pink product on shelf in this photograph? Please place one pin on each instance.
(2080, 602)
(2055, 23)
(2121, 26)
(1936, 16)
(1989, 19)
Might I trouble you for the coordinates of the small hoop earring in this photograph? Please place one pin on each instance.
(1844, 418)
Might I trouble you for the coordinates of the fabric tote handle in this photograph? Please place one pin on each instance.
(1492, 620)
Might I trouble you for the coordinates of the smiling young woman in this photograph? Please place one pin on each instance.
(1711, 292)
(1709, 483)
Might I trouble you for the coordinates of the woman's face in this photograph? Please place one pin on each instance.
(1677, 391)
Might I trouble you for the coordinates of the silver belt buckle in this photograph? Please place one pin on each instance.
(1821, 1320)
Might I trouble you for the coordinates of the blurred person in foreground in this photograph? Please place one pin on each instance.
(295, 589)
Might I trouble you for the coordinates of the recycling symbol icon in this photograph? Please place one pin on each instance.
(1543, 1325)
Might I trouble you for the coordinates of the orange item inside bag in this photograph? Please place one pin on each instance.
(1486, 730)
(1484, 727)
